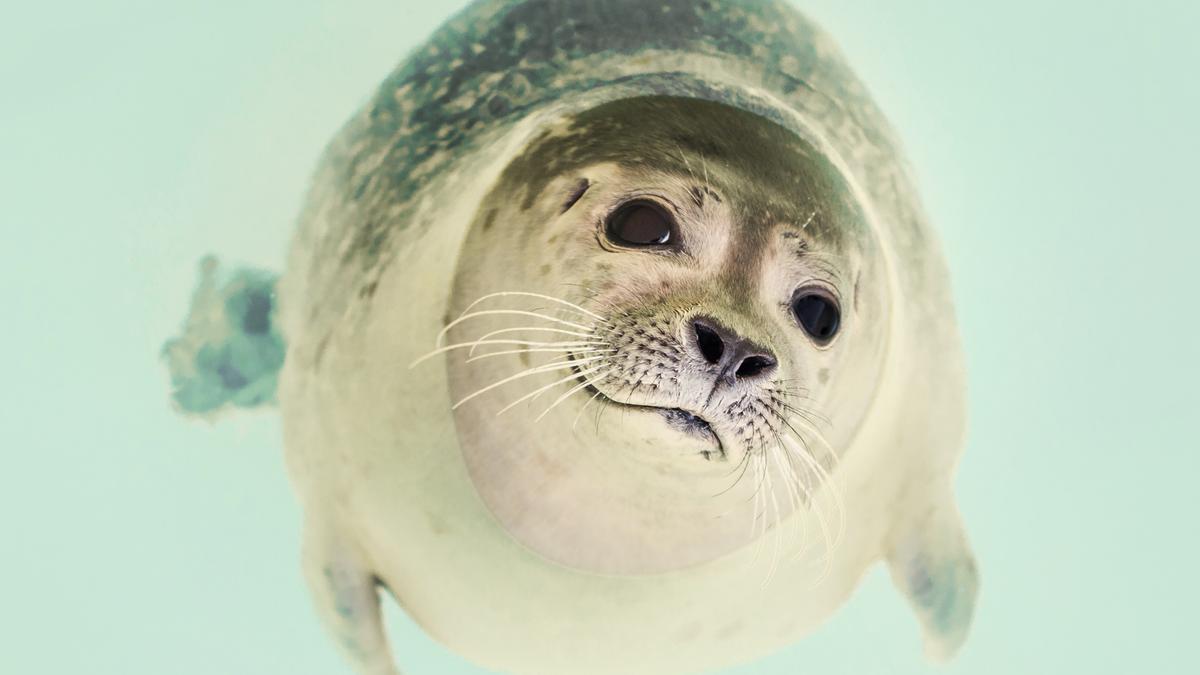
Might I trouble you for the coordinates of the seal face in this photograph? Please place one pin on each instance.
(711, 269)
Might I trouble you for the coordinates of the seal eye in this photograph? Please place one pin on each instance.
(640, 223)
(817, 314)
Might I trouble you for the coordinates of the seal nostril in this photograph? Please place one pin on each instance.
(710, 343)
(754, 365)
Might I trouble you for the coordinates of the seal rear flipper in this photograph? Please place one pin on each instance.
(230, 350)
(932, 564)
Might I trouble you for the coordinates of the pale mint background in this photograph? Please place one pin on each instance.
(1056, 144)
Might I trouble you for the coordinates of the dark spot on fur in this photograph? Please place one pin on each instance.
(576, 192)
(376, 241)
(498, 106)
(489, 219)
(437, 524)
(545, 270)
(319, 353)
(368, 290)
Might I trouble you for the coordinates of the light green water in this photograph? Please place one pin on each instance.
(1056, 144)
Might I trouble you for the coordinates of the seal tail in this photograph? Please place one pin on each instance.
(230, 350)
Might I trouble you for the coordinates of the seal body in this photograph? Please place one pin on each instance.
(618, 496)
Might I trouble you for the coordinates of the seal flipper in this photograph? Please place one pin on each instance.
(231, 350)
(346, 596)
(932, 564)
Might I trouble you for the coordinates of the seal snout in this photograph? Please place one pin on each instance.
(734, 357)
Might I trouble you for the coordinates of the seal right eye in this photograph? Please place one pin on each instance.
(640, 223)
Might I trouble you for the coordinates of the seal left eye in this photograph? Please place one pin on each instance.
(817, 314)
(640, 224)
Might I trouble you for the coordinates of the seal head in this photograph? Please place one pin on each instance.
(708, 327)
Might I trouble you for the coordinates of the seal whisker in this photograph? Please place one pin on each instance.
(549, 367)
(743, 464)
(514, 312)
(586, 382)
(830, 541)
(808, 415)
(772, 506)
(803, 421)
(760, 505)
(777, 525)
(686, 163)
(533, 329)
(579, 414)
(791, 407)
(829, 454)
(772, 455)
(796, 501)
(823, 479)
(538, 392)
(528, 343)
(572, 350)
(530, 294)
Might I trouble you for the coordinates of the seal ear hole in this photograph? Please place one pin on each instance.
(640, 223)
(818, 314)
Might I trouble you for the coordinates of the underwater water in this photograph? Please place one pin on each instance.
(1056, 148)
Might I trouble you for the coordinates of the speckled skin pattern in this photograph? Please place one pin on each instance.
(493, 63)
(448, 185)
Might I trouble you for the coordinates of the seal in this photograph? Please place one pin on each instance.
(617, 341)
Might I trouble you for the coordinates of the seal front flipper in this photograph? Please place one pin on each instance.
(932, 564)
(346, 595)
(230, 350)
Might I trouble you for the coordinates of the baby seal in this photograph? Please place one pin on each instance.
(617, 341)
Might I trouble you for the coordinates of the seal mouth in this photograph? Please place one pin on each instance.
(684, 421)
(688, 422)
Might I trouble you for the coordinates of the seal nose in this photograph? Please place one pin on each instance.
(735, 357)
